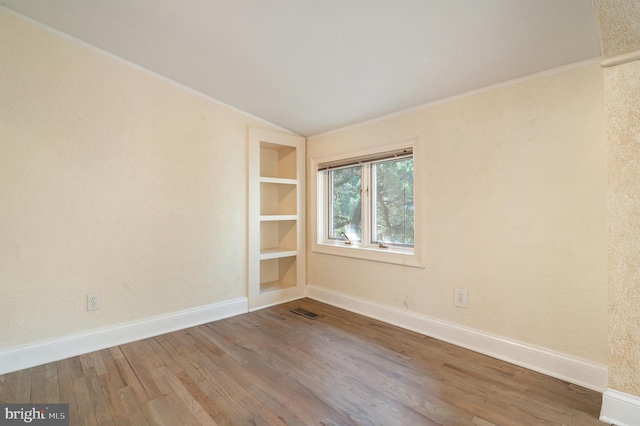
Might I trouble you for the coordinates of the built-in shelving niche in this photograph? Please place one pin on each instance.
(276, 222)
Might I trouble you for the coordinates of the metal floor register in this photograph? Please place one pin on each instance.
(305, 313)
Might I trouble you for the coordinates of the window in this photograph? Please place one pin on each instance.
(366, 207)
(384, 216)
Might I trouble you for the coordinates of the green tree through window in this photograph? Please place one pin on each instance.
(393, 214)
(345, 203)
(383, 190)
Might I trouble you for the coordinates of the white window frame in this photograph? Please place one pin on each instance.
(409, 256)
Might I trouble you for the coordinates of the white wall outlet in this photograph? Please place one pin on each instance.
(460, 297)
(93, 302)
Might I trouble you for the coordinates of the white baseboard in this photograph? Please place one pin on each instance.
(21, 357)
(620, 409)
(571, 369)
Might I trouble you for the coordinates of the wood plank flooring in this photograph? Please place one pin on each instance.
(272, 367)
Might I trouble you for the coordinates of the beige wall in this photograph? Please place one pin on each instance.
(112, 181)
(515, 186)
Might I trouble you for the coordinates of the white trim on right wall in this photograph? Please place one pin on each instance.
(620, 409)
(561, 366)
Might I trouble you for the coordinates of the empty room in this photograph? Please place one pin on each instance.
(418, 212)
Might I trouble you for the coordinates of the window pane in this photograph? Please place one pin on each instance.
(393, 215)
(344, 211)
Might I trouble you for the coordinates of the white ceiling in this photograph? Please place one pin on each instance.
(313, 66)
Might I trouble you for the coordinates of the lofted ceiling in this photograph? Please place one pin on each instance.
(313, 66)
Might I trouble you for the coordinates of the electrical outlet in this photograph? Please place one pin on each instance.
(93, 302)
(460, 297)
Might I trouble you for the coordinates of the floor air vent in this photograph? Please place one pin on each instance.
(305, 313)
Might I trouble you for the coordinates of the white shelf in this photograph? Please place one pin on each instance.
(276, 253)
(272, 286)
(281, 181)
(276, 217)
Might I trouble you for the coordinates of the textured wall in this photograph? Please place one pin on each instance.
(112, 181)
(622, 85)
(515, 183)
(619, 26)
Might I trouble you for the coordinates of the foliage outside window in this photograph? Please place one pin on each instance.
(393, 200)
(345, 209)
(371, 203)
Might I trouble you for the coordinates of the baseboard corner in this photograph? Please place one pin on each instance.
(620, 409)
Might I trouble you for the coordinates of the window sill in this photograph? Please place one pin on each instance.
(394, 255)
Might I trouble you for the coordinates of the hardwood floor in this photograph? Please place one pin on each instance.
(274, 367)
